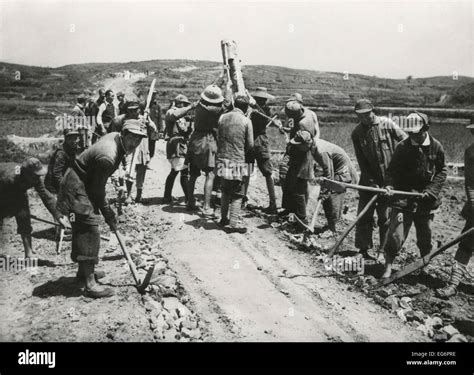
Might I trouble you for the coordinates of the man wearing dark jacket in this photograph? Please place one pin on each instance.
(62, 159)
(202, 146)
(336, 166)
(466, 246)
(261, 148)
(374, 140)
(417, 165)
(82, 196)
(301, 163)
(15, 181)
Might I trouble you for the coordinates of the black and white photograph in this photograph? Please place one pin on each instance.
(253, 171)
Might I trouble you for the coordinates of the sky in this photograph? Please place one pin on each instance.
(392, 39)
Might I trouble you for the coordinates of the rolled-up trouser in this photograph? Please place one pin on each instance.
(466, 246)
(85, 239)
(231, 200)
(365, 226)
(333, 206)
(283, 170)
(140, 175)
(399, 227)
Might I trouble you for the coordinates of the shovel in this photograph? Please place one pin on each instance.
(350, 227)
(58, 225)
(341, 187)
(141, 286)
(420, 263)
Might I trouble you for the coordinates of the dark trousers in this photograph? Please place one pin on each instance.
(170, 182)
(365, 227)
(295, 193)
(333, 206)
(151, 147)
(399, 227)
(85, 239)
(466, 246)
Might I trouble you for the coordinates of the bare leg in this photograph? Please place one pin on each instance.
(27, 244)
(208, 190)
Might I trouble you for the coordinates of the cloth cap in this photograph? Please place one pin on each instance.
(363, 106)
(135, 127)
(182, 99)
(293, 109)
(301, 137)
(295, 97)
(241, 99)
(33, 165)
(68, 132)
(416, 122)
(133, 105)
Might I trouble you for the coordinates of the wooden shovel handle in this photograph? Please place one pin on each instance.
(129, 259)
(350, 227)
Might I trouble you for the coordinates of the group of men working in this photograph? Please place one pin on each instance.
(227, 137)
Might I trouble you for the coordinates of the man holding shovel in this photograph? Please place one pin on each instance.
(336, 166)
(417, 165)
(82, 195)
(374, 139)
(15, 181)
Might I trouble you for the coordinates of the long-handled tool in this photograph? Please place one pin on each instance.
(422, 262)
(58, 225)
(141, 286)
(310, 228)
(350, 227)
(342, 186)
(60, 242)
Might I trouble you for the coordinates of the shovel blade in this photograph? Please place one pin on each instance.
(146, 281)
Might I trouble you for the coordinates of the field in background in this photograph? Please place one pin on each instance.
(28, 105)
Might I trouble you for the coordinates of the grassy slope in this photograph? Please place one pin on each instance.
(318, 88)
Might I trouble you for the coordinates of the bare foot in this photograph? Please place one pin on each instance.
(387, 273)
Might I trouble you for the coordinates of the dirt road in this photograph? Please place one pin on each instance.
(265, 285)
(240, 286)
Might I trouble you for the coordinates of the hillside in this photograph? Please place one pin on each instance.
(59, 86)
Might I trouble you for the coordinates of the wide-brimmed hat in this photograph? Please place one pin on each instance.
(34, 166)
(262, 92)
(212, 94)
